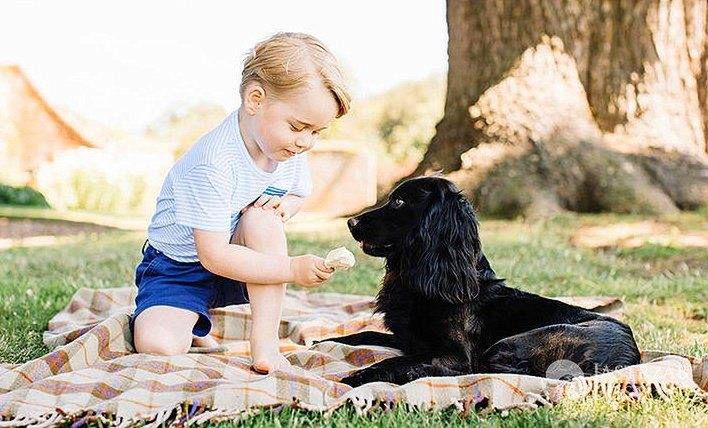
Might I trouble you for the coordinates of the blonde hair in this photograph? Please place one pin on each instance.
(287, 61)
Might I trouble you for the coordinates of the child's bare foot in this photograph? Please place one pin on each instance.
(266, 357)
(266, 366)
(204, 342)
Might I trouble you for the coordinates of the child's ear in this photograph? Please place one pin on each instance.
(255, 95)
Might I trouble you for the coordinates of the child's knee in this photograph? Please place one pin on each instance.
(152, 336)
(258, 218)
(258, 226)
(161, 341)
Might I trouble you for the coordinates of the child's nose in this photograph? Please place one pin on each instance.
(303, 143)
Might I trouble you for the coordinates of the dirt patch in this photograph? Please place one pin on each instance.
(20, 228)
(633, 235)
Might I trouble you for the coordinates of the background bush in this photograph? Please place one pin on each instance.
(104, 181)
(399, 123)
(26, 196)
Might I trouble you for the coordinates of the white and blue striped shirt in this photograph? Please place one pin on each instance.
(209, 186)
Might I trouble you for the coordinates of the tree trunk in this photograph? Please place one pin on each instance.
(618, 78)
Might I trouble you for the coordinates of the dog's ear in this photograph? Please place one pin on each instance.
(443, 251)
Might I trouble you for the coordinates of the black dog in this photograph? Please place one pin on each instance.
(448, 311)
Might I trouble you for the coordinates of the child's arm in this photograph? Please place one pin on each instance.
(220, 257)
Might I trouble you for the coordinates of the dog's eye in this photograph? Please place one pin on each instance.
(397, 203)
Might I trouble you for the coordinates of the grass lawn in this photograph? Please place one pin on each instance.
(665, 291)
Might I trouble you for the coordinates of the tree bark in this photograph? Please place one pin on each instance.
(642, 64)
(621, 79)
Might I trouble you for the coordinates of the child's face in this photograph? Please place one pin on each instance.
(290, 124)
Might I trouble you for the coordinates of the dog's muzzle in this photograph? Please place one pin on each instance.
(352, 222)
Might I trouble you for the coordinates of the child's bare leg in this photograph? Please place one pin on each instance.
(262, 230)
(164, 330)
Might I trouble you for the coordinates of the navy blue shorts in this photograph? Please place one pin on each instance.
(166, 282)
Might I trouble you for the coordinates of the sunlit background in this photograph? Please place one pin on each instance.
(121, 89)
(126, 62)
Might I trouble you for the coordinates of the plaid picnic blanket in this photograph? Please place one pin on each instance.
(94, 374)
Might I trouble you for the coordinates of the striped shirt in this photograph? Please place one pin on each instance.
(209, 186)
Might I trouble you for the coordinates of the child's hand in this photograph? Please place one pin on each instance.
(283, 207)
(309, 271)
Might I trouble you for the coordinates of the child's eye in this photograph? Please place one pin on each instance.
(294, 128)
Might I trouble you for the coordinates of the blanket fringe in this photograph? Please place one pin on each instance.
(45, 420)
(582, 387)
(188, 414)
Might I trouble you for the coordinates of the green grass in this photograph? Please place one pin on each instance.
(124, 222)
(665, 292)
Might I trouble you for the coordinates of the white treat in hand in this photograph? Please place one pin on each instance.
(340, 258)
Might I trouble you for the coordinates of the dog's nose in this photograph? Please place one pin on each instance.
(352, 222)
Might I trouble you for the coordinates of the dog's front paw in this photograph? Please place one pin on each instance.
(362, 377)
(354, 380)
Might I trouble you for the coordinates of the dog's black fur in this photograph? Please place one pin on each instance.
(448, 311)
